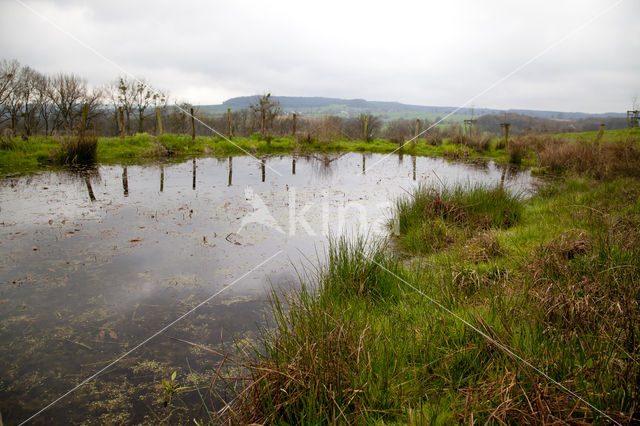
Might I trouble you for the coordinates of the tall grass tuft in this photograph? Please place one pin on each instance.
(77, 150)
(431, 218)
(322, 363)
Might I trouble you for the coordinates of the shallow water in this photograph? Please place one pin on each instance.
(94, 262)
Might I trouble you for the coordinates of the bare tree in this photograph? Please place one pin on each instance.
(14, 102)
(399, 130)
(30, 98)
(46, 108)
(159, 101)
(8, 74)
(142, 98)
(67, 92)
(266, 110)
(122, 93)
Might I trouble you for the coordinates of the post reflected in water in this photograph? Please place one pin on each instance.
(230, 170)
(88, 182)
(400, 155)
(293, 166)
(504, 175)
(161, 178)
(125, 182)
(413, 163)
(193, 186)
(364, 163)
(262, 165)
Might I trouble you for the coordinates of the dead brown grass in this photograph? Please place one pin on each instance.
(601, 161)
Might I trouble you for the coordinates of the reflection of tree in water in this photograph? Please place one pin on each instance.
(322, 164)
(87, 175)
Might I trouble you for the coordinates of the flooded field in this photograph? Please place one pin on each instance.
(94, 262)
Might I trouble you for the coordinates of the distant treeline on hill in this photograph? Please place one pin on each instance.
(34, 103)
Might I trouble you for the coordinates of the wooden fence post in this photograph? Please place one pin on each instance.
(364, 131)
(159, 122)
(417, 132)
(193, 126)
(229, 127)
(83, 122)
(599, 139)
(121, 122)
(294, 123)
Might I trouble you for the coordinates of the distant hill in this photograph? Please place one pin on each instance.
(387, 110)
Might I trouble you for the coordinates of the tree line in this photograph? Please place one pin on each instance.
(35, 103)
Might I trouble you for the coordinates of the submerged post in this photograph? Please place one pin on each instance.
(262, 164)
(193, 126)
(364, 167)
(293, 166)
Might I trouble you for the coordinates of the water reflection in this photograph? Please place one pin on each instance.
(230, 170)
(193, 186)
(413, 166)
(87, 181)
(161, 178)
(293, 165)
(125, 182)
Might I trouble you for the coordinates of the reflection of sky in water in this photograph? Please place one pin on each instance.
(151, 246)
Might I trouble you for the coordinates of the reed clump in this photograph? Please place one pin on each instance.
(77, 149)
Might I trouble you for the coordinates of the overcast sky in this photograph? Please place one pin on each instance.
(426, 52)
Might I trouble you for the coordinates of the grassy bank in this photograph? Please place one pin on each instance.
(555, 278)
(41, 153)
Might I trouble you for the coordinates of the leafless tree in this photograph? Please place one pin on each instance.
(8, 75)
(265, 110)
(30, 98)
(159, 101)
(142, 98)
(122, 93)
(399, 130)
(46, 109)
(67, 92)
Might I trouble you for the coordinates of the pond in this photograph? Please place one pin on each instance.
(111, 261)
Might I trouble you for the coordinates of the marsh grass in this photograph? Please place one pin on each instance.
(77, 150)
(554, 278)
(433, 217)
(581, 155)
